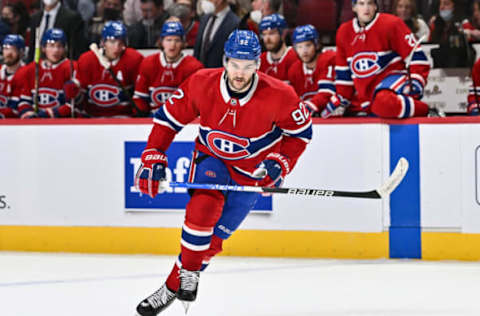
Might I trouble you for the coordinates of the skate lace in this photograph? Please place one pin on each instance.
(160, 297)
(189, 280)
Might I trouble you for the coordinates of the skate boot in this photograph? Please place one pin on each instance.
(157, 302)
(187, 292)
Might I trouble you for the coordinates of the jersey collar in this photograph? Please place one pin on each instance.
(226, 97)
(356, 25)
(270, 59)
(165, 64)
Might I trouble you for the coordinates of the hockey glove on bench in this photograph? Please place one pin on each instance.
(151, 177)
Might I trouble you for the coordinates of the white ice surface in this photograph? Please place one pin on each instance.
(110, 285)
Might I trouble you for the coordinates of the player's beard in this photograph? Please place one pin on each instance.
(11, 62)
(277, 47)
(246, 84)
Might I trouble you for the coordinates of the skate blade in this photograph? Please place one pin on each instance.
(186, 306)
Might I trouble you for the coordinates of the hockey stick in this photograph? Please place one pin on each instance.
(36, 59)
(106, 64)
(408, 61)
(383, 191)
(72, 75)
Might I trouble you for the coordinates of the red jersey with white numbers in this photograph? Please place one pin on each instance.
(278, 68)
(103, 95)
(366, 55)
(240, 132)
(318, 83)
(158, 79)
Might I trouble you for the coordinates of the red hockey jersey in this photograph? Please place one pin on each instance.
(158, 79)
(50, 93)
(366, 55)
(318, 85)
(240, 132)
(10, 90)
(103, 96)
(278, 68)
(474, 90)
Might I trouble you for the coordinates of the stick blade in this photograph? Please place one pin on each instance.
(395, 178)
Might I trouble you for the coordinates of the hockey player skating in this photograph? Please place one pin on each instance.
(371, 74)
(313, 76)
(252, 130)
(55, 83)
(13, 49)
(108, 88)
(160, 74)
(277, 58)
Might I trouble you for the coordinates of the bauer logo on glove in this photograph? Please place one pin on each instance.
(151, 177)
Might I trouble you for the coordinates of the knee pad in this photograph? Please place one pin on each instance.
(388, 104)
(204, 208)
(236, 208)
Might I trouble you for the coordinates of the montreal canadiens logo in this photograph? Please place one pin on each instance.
(104, 95)
(365, 64)
(48, 98)
(160, 95)
(227, 146)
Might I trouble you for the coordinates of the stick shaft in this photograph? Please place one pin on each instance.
(291, 191)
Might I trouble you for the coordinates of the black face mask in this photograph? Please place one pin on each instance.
(111, 14)
(7, 21)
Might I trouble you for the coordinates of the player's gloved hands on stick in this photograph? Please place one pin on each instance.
(335, 107)
(272, 170)
(71, 89)
(414, 89)
(151, 177)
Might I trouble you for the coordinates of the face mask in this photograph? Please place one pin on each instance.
(49, 2)
(111, 14)
(256, 16)
(446, 14)
(7, 21)
(207, 7)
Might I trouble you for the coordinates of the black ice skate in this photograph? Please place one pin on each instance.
(157, 302)
(187, 292)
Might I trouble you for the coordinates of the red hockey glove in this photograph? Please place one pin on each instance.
(473, 109)
(335, 107)
(414, 89)
(71, 89)
(151, 177)
(272, 170)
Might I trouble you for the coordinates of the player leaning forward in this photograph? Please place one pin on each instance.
(249, 123)
(372, 75)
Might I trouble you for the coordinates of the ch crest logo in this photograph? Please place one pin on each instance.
(228, 146)
(104, 95)
(365, 64)
(160, 95)
(48, 98)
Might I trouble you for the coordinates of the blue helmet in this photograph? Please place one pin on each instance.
(172, 29)
(114, 30)
(14, 40)
(54, 35)
(273, 21)
(354, 2)
(305, 33)
(243, 44)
